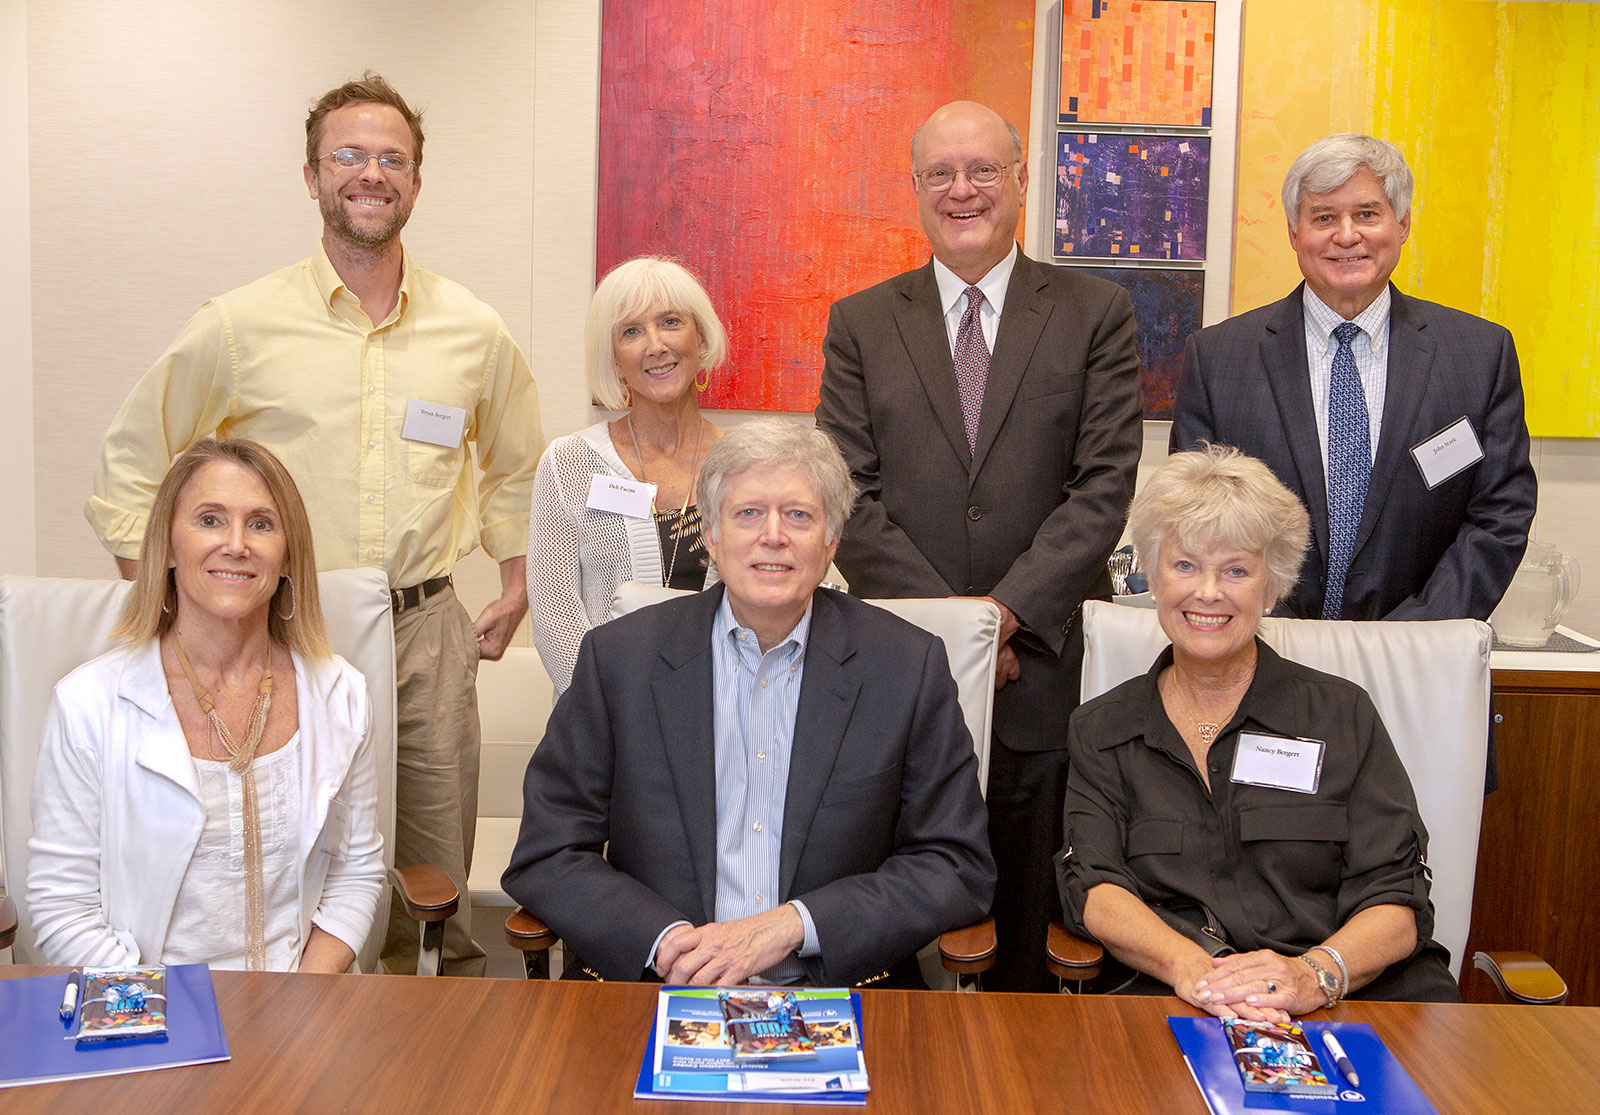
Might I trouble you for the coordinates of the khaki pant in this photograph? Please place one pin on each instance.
(436, 770)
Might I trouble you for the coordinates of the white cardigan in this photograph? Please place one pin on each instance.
(577, 556)
(117, 813)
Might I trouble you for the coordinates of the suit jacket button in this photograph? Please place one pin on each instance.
(974, 513)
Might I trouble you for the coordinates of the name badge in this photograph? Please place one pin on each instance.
(623, 495)
(434, 423)
(1278, 762)
(1447, 452)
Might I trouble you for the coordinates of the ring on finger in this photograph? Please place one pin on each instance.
(1272, 987)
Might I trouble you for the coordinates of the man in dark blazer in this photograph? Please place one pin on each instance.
(1004, 476)
(650, 840)
(1451, 492)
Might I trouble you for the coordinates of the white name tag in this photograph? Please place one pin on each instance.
(1447, 452)
(434, 423)
(1278, 762)
(623, 495)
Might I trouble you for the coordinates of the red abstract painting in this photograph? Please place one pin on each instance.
(767, 144)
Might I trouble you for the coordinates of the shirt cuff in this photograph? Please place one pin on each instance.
(810, 948)
(650, 961)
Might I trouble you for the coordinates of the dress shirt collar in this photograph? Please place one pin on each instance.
(1373, 321)
(728, 632)
(330, 285)
(993, 285)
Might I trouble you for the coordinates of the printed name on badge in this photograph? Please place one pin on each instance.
(1278, 762)
(623, 495)
(1447, 452)
(434, 423)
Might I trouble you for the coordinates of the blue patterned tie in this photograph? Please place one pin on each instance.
(1349, 465)
(972, 366)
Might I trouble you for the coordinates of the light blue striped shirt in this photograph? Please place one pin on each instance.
(1370, 347)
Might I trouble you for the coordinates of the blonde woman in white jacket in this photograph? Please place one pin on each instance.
(651, 343)
(206, 793)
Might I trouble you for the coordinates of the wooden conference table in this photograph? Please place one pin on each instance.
(404, 1044)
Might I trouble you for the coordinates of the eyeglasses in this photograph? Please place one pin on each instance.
(939, 178)
(390, 162)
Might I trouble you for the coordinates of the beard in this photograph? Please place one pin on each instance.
(369, 235)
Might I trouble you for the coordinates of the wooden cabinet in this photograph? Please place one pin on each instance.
(1538, 883)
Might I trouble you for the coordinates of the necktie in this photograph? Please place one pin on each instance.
(1349, 465)
(972, 366)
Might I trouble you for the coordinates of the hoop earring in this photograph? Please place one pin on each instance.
(170, 593)
(700, 384)
(293, 604)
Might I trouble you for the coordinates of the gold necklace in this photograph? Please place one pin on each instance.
(1207, 730)
(240, 760)
(699, 433)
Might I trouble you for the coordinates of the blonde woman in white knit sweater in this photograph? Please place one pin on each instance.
(651, 342)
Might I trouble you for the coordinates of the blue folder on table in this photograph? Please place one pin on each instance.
(1385, 1084)
(36, 1045)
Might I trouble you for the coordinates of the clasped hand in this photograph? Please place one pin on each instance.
(726, 952)
(1260, 986)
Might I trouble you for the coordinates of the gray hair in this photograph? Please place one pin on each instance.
(629, 289)
(1329, 163)
(1216, 496)
(774, 443)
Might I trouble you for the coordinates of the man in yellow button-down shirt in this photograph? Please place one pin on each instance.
(367, 375)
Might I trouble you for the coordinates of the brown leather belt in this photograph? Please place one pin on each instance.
(403, 598)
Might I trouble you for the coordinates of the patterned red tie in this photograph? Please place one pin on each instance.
(972, 365)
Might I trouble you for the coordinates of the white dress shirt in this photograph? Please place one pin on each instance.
(953, 298)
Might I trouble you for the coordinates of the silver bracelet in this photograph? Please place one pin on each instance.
(1344, 973)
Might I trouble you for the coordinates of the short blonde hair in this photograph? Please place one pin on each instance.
(152, 606)
(1216, 496)
(773, 443)
(633, 288)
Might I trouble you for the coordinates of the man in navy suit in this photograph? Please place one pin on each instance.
(1398, 422)
(766, 779)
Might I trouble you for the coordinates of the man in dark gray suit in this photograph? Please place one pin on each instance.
(1006, 476)
(1398, 422)
(763, 779)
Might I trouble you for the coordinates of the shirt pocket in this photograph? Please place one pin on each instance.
(1155, 838)
(433, 465)
(1303, 842)
(335, 841)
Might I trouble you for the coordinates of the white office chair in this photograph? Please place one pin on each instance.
(49, 627)
(1430, 682)
(970, 630)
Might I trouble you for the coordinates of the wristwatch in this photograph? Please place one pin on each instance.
(1326, 980)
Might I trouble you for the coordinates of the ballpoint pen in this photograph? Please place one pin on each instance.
(69, 995)
(1336, 1051)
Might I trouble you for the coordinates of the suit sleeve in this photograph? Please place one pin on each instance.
(842, 414)
(1191, 414)
(1474, 571)
(1048, 580)
(941, 875)
(184, 397)
(558, 869)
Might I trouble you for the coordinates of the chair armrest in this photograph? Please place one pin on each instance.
(1071, 957)
(968, 949)
(427, 891)
(8, 921)
(1522, 977)
(526, 933)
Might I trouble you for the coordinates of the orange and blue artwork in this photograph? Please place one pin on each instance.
(1132, 196)
(1137, 62)
(1167, 306)
(767, 145)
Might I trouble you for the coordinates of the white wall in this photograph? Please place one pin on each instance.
(163, 143)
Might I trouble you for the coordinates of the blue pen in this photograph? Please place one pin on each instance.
(1336, 1051)
(69, 996)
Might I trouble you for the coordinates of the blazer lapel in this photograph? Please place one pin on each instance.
(922, 330)
(828, 694)
(1406, 385)
(683, 700)
(1283, 355)
(1021, 324)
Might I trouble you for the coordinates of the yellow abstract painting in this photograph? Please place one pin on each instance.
(1497, 107)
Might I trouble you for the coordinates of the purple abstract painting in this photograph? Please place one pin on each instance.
(1167, 304)
(1132, 196)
